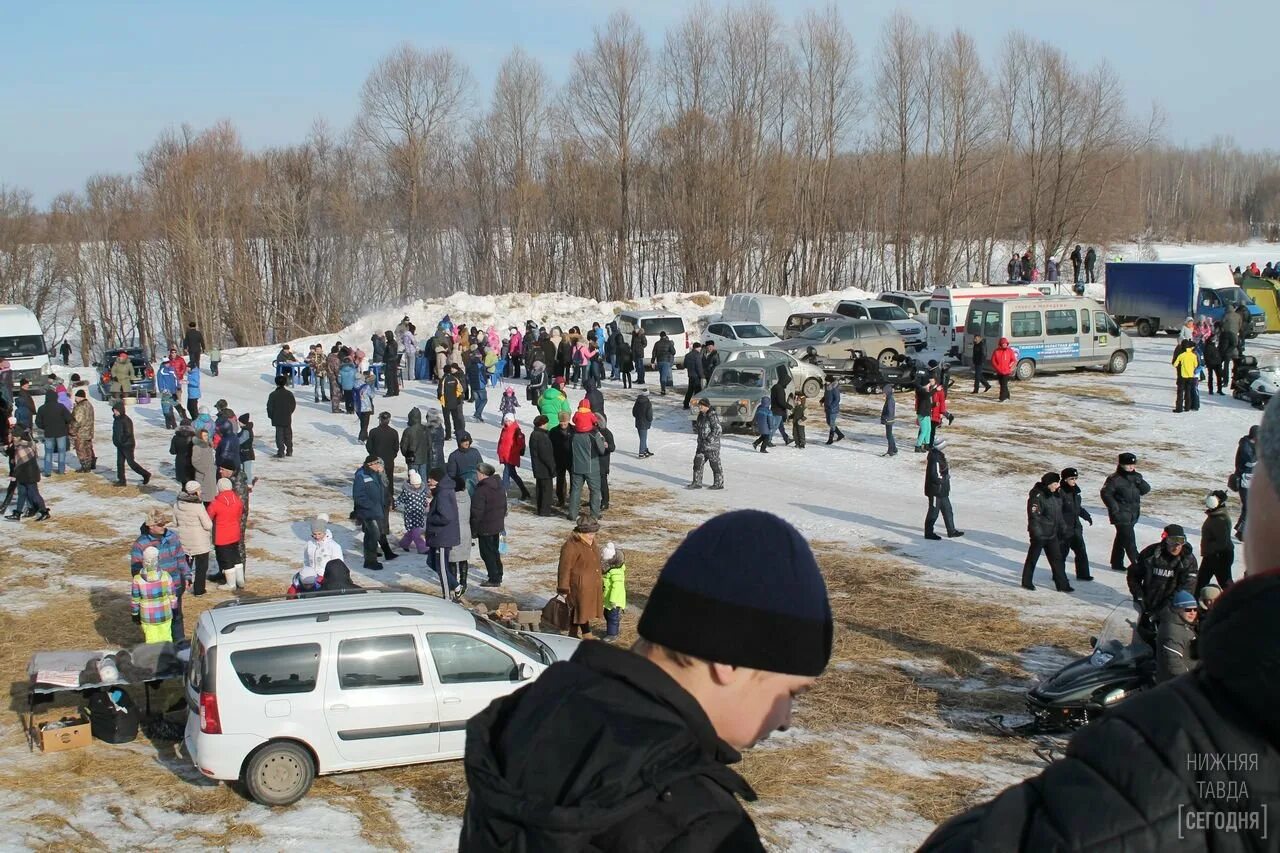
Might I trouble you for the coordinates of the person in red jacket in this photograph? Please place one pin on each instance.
(225, 512)
(939, 411)
(1003, 361)
(511, 447)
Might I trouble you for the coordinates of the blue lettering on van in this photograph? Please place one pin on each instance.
(1050, 351)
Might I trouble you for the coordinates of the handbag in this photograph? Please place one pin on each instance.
(556, 614)
(1233, 482)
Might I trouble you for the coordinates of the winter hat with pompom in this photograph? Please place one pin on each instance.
(415, 479)
(608, 551)
(150, 557)
(224, 485)
(717, 598)
(191, 487)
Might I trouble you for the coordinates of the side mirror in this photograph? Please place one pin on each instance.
(525, 672)
(1093, 642)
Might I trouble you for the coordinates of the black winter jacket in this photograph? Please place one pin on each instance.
(384, 443)
(639, 341)
(1129, 782)
(610, 446)
(778, 404)
(562, 446)
(1215, 533)
(52, 417)
(122, 432)
(937, 474)
(280, 406)
(180, 448)
(1122, 494)
(924, 402)
(542, 456)
(1044, 513)
(603, 752)
(488, 507)
(693, 364)
(1073, 509)
(1158, 575)
(642, 411)
(664, 350)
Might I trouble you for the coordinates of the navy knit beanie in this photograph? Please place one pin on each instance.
(743, 589)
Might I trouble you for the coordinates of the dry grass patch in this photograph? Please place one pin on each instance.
(232, 834)
(702, 300)
(378, 826)
(440, 787)
(934, 798)
(781, 772)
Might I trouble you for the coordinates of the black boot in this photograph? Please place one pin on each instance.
(831, 438)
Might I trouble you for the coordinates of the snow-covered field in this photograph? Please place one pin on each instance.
(876, 783)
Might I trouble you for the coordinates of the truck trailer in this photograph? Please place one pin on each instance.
(1158, 296)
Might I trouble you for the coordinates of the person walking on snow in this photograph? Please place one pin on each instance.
(889, 414)
(1072, 512)
(122, 438)
(664, 358)
(1122, 495)
(1217, 551)
(412, 501)
(1045, 526)
(444, 531)
(193, 345)
(488, 517)
(980, 364)
(1004, 361)
(364, 395)
(642, 412)
(708, 429)
(779, 406)
(937, 488)
(511, 447)
(1246, 458)
(831, 409)
(693, 369)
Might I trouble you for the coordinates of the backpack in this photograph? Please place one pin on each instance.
(113, 721)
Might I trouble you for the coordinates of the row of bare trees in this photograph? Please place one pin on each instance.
(742, 153)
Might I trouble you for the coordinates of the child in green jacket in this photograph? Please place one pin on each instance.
(615, 589)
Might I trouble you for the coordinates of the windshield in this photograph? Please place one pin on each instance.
(670, 325)
(1118, 636)
(816, 332)
(22, 346)
(526, 645)
(887, 312)
(752, 330)
(1234, 296)
(751, 377)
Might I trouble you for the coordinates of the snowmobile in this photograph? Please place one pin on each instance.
(1121, 664)
(1255, 383)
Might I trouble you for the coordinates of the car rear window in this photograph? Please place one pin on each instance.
(276, 670)
(738, 376)
(888, 312)
(752, 330)
(670, 325)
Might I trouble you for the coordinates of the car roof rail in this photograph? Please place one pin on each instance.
(236, 602)
(319, 617)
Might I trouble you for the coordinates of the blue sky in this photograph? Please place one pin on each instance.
(86, 86)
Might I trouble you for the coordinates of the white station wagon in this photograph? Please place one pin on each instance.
(281, 691)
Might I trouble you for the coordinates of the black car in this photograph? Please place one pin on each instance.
(144, 375)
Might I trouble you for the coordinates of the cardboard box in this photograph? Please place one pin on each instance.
(71, 735)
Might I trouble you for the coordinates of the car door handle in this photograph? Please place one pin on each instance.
(452, 700)
(339, 708)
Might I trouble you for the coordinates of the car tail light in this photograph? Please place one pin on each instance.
(150, 374)
(106, 377)
(210, 723)
(686, 340)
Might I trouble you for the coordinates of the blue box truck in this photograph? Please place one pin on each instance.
(1158, 296)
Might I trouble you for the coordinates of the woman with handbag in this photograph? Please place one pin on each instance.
(580, 581)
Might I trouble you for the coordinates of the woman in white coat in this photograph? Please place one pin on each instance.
(195, 532)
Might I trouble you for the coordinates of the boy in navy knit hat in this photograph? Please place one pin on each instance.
(617, 749)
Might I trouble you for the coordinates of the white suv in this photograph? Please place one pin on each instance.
(281, 691)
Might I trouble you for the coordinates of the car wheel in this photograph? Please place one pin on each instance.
(1117, 363)
(1025, 370)
(1145, 328)
(811, 388)
(888, 357)
(279, 774)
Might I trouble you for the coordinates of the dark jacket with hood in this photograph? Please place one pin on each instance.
(52, 417)
(1129, 780)
(1215, 533)
(1044, 513)
(1122, 493)
(937, 474)
(642, 411)
(603, 752)
(180, 446)
(442, 530)
(415, 441)
(337, 578)
(542, 456)
(1158, 575)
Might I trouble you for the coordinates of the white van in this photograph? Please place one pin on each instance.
(949, 306)
(653, 322)
(769, 311)
(1048, 333)
(281, 691)
(22, 342)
